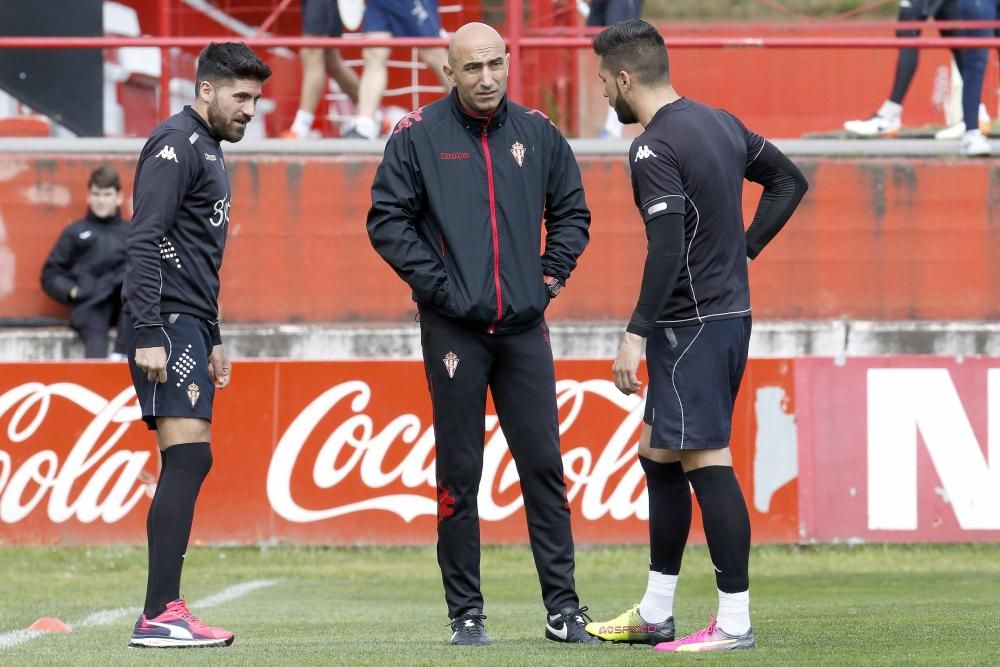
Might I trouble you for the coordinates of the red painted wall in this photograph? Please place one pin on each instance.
(874, 238)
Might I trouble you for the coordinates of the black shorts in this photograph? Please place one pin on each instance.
(694, 376)
(188, 391)
(609, 12)
(321, 17)
(402, 18)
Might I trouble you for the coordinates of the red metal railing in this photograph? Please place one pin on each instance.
(520, 36)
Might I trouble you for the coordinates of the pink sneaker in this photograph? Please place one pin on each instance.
(177, 627)
(709, 639)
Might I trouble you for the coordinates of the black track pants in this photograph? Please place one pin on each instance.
(461, 364)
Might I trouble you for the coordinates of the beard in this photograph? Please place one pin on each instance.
(626, 115)
(223, 127)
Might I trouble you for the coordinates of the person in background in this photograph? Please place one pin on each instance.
(973, 66)
(320, 18)
(888, 120)
(86, 267)
(604, 13)
(393, 18)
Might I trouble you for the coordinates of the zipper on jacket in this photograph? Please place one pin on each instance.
(496, 235)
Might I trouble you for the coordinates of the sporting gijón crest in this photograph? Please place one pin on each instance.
(450, 363)
(193, 393)
(517, 150)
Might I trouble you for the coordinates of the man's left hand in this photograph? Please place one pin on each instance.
(626, 367)
(220, 369)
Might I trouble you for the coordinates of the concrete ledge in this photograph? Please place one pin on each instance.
(598, 340)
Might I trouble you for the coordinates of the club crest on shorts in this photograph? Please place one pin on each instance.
(193, 393)
(451, 363)
(517, 150)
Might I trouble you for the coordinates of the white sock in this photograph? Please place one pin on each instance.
(890, 110)
(303, 122)
(614, 128)
(734, 613)
(657, 604)
(366, 127)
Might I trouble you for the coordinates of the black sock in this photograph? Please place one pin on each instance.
(168, 525)
(727, 525)
(669, 514)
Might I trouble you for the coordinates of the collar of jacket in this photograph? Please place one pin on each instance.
(201, 121)
(114, 218)
(476, 122)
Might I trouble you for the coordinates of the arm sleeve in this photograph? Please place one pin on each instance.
(56, 279)
(160, 187)
(397, 192)
(784, 186)
(567, 218)
(664, 255)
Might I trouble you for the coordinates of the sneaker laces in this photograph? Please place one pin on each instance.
(180, 608)
(703, 633)
(470, 624)
(578, 616)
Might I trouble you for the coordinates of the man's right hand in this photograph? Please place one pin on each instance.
(153, 362)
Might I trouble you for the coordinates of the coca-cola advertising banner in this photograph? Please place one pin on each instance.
(343, 453)
(900, 449)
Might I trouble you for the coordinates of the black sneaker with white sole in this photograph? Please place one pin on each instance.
(569, 626)
(468, 630)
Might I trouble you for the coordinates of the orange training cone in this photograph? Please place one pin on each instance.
(49, 624)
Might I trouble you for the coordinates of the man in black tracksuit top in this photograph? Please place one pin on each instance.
(693, 314)
(176, 357)
(457, 207)
(87, 265)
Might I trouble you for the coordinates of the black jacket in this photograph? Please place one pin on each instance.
(90, 255)
(178, 233)
(457, 209)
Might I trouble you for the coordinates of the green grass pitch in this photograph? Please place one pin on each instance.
(864, 605)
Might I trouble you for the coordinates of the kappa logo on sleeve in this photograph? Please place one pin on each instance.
(409, 119)
(643, 153)
(167, 153)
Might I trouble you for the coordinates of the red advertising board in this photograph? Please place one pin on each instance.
(343, 453)
(899, 449)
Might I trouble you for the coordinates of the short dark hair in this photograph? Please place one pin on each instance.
(226, 61)
(104, 177)
(637, 48)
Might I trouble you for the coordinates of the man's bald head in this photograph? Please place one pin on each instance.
(477, 66)
(473, 36)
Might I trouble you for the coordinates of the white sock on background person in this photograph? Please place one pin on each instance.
(303, 122)
(734, 613)
(657, 605)
(612, 126)
(366, 127)
(890, 109)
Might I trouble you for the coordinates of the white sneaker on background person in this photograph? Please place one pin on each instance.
(883, 123)
(957, 130)
(975, 144)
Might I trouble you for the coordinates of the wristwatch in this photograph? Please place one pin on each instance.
(553, 286)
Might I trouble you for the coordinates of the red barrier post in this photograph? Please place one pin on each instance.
(515, 30)
(164, 61)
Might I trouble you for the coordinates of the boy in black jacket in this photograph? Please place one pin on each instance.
(87, 265)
